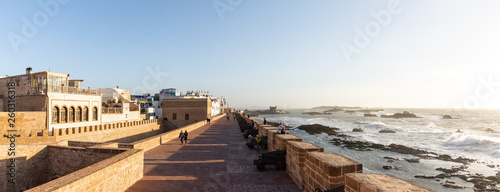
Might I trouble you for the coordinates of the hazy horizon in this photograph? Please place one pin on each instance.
(293, 54)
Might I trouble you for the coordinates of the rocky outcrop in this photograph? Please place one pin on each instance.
(317, 129)
(357, 130)
(447, 117)
(387, 131)
(370, 115)
(316, 113)
(405, 114)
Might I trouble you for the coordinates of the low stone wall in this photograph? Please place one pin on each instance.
(262, 131)
(80, 143)
(281, 140)
(30, 167)
(112, 174)
(370, 182)
(265, 130)
(296, 152)
(327, 170)
(63, 160)
(154, 141)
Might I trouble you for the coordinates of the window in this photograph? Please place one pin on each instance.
(71, 114)
(174, 116)
(55, 115)
(86, 114)
(94, 114)
(186, 116)
(78, 114)
(64, 115)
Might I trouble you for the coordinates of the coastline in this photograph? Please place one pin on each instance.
(434, 170)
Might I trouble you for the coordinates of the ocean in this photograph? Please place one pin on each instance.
(478, 139)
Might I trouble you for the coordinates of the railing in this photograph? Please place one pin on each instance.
(113, 110)
(68, 90)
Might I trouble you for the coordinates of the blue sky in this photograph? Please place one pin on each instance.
(430, 53)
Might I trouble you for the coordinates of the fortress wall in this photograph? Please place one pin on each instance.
(64, 160)
(370, 182)
(30, 166)
(327, 170)
(26, 122)
(296, 152)
(281, 140)
(120, 132)
(116, 173)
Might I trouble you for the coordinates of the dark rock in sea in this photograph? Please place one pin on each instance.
(387, 167)
(490, 130)
(405, 150)
(334, 110)
(452, 170)
(412, 160)
(405, 114)
(357, 130)
(377, 146)
(316, 113)
(452, 185)
(317, 129)
(370, 115)
(447, 117)
(391, 158)
(387, 131)
(425, 176)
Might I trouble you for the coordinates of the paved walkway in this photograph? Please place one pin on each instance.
(215, 159)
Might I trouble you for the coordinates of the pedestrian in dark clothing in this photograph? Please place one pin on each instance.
(208, 120)
(181, 136)
(265, 121)
(186, 136)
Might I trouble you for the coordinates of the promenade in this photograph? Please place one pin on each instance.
(215, 159)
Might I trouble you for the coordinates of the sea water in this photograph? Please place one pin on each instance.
(429, 132)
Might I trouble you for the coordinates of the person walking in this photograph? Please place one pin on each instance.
(265, 121)
(181, 136)
(227, 118)
(186, 137)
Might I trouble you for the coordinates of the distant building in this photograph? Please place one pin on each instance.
(218, 105)
(67, 104)
(164, 94)
(185, 111)
(115, 94)
(197, 94)
(171, 91)
(146, 103)
(273, 109)
(118, 107)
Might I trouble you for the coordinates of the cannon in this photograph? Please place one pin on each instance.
(246, 127)
(252, 132)
(277, 158)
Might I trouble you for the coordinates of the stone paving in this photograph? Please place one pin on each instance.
(215, 159)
